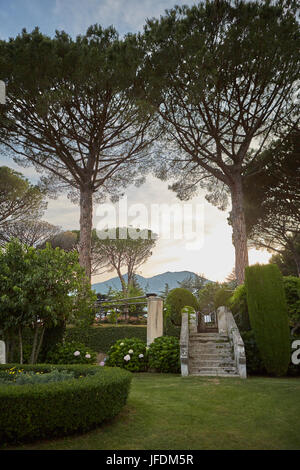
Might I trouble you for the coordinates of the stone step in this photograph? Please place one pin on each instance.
(212, 374)
(222, 370)
(209, 340)
(199, 351)
(210, 357)
(212, 364)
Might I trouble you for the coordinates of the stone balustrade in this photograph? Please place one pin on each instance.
(227, 326)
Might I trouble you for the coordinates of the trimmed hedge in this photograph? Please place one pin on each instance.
(101, 338)
(38, 411)
(268, 316)
(174, 303)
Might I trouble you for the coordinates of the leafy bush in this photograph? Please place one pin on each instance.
(222, 297)
(164, 354)
(128, 353)
(60, 408)
(71, 353)
(176, 300)
(239, 307)
(101, 338)
(268, 316)
(254, 362)
(292, 293)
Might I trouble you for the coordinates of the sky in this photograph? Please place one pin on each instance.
(213, 253)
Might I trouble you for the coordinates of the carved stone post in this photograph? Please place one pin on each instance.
(2, 353)
(154, 318)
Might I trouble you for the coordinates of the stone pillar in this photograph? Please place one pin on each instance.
(222, 321)
(2, 353)
(154, 318)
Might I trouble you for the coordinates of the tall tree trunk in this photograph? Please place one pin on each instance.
(86, 224)
(239, 235)
(20, 344)
(125, 293)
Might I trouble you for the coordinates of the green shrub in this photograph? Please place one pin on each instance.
(292, 294)
(55, 409)
(164, 354)
(239, 307)
(101, 338)
(71, 353)
(129, 354)
(254, 362)
(222, 297)
(268, 316)
(175, 301)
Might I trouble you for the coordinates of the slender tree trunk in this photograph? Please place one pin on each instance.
(86, 223)
(297, 262)
(125, 293)
(39, 345)
(34, 345)
(20, 344)
(239, 235)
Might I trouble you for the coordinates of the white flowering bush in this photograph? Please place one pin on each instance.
(128, 353)
(71, 353)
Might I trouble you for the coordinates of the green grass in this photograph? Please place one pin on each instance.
(168, 412)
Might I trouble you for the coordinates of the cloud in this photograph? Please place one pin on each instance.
(76, 16)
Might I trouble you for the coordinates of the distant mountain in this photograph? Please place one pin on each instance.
(154, 284)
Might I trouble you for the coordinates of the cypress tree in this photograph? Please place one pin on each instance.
(268, 316)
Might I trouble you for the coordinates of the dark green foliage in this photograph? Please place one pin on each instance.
(222, 297)
(100, 338)
(292, 294)
(239, 307)
(48, 410)
(254, 362)
(268, 316)
(164, 354)
(52, 337)
(67, 353)
(132, 349)
(176, 300)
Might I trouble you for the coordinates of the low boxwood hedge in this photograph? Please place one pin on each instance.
(38, 411)
(101, 338)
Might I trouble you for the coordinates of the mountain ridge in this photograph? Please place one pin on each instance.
(154, 284)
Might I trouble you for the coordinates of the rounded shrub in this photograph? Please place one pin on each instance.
(47, 410)
(176, 300)
(71, 353)
(164, 354)
(268, 316)
(129, 354)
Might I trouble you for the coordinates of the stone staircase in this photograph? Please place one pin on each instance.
(211, 354)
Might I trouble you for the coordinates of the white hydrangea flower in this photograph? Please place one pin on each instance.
(121, 344)
(88, 356)
(77, 353)
(130, 351)
(127, 358)
(141, 355)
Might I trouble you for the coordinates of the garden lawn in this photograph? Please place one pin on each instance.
(167, 411)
